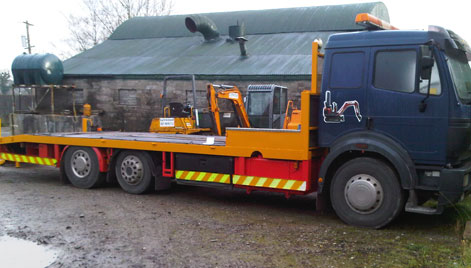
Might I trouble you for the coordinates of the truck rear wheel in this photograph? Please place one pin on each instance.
(366, 192)
(133, 172)
(82, 168)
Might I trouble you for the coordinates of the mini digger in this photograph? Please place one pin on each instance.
(265, 109)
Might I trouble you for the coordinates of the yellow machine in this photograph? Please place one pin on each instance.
(179, 125)
(177, 118)
(231, 93)
(181, 121)
(292, 117)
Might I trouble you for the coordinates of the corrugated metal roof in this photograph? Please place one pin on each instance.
(285, 20)
(279, 43)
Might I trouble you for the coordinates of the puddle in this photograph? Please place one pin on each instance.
(16, 253)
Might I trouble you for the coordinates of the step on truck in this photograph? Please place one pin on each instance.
(388, 128)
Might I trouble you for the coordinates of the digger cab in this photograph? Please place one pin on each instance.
(266, 105)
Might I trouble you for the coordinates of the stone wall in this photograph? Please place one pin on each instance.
(48, 123)
(130, 105)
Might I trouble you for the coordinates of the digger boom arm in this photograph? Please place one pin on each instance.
(230, 93)
(214, 108)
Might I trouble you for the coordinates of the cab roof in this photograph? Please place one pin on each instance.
(383, 38)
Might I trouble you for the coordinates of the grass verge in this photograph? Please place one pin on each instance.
(461, 214)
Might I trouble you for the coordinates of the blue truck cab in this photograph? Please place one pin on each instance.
(396, 118)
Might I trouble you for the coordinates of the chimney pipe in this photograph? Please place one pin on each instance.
(243, 48)
(204, 25)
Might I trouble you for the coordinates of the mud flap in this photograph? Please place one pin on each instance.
(162, 183)
(63, 176)
(320, 203)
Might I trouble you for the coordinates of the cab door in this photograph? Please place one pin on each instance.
(343, 100)
(395, 95)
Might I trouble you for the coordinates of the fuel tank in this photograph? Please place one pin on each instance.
(37, 69)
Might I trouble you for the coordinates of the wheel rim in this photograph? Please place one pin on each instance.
(132, 170)
(81, 164)
(363, 193)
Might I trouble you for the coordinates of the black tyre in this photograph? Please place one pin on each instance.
(366, 192)
(82, 168)
(133, 171)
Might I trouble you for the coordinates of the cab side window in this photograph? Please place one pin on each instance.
(395, 70)
(347, 70)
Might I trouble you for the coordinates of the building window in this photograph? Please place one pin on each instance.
(128, 97)
(396, 70)
(347, 70)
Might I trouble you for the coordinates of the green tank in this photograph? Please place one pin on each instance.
(37, 69)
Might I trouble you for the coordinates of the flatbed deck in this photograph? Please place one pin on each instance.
(238, 142)
(143, 137)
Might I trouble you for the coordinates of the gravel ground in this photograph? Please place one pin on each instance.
(203, 227)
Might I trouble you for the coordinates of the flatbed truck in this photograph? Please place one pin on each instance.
(388, 128)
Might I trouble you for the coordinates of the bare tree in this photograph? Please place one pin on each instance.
(5, 82)
(104, 16)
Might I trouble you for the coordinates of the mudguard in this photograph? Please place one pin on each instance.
(369, 141)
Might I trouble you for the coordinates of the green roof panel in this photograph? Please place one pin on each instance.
(285, 20)
(279, 43)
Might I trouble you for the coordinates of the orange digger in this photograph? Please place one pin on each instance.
(231, 93)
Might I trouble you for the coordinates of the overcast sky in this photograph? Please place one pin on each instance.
(50, 25)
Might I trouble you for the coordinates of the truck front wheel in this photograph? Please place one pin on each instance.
(366, 192)
(133, 172)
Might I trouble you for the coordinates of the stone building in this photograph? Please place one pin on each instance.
(123, 75)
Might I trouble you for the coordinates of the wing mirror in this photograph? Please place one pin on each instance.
(426, 62)
(426, 65)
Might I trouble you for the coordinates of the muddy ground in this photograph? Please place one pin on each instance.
(204, 227)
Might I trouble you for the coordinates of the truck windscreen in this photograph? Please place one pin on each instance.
(461, 74)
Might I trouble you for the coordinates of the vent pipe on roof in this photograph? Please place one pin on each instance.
(243, 48)
(237, 33)
(204, 25)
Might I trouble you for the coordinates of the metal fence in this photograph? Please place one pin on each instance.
(6, 106)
